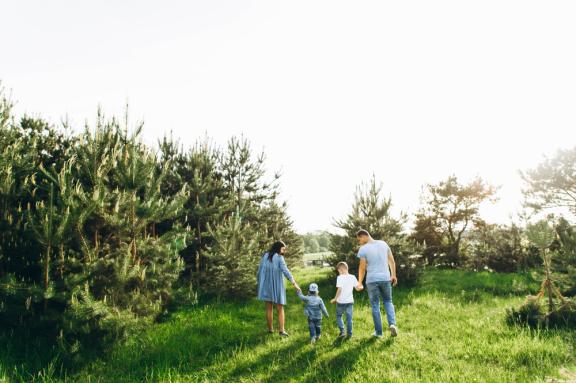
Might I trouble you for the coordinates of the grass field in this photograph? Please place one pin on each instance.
(320, 255)
(451, 330)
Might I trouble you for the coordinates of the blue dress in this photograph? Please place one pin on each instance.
(270, 282)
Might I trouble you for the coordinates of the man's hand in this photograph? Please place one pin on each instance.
(394, 281)
(359, 287)
(333, 300)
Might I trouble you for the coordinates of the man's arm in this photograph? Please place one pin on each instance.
(361, 273)
(392, 266)
(338, 291)
(356, 287)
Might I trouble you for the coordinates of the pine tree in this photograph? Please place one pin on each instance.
(51, 222)
(233, 259)
(207, 204)
(565, 265)
(95, 228)
(372, 212)
(277, 225)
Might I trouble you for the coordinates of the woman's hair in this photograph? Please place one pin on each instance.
(275, 249)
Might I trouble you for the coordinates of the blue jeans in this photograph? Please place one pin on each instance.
(342, 308)
(377, 290)
(315, 326)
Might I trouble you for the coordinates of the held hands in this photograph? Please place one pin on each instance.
(359, 287)
(333, 300)
(297, 287)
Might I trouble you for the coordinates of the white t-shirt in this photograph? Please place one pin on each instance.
(347, 282)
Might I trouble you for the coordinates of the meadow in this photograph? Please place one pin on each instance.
(452, 329)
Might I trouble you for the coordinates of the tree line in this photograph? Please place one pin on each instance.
(449, 232)
(101, 234)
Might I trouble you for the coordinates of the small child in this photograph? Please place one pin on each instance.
(344, 298)
(314, 310)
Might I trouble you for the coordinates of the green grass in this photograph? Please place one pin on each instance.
(452, 329)
(313, 256)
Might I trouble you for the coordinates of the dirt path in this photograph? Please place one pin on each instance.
(566, 376)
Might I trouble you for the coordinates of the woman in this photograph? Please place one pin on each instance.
(271, 284)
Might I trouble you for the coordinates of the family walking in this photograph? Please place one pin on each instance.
(376, 264)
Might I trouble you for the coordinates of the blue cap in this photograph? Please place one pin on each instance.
(313, 288)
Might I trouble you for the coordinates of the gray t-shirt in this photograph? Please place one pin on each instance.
(376, 255)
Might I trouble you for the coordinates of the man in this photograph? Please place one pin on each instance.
(377, 263)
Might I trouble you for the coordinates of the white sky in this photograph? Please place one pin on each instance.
(333, 91)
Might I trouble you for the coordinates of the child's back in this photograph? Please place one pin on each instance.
(347, 282)
(314, 310)
(344, 299)
(314, 307)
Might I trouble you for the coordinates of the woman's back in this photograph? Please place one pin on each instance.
(270, 281)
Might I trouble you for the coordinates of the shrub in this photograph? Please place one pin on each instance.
(530, 313)
(499, 248)
(88, 265)
(533, 314)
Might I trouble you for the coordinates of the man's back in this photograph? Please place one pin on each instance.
(376, 255)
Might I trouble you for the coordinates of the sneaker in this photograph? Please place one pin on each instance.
(313, 341)
(376, 335)
(393, 330)
(341, 335)
(270, 331)
(284, 334)
(318, 338)
(349, 336)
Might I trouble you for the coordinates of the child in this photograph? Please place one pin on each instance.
(314, 310)
(344, 298)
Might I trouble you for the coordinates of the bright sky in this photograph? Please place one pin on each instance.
(333, 91)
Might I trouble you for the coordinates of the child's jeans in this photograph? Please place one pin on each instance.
(315, 326)
(342, 308)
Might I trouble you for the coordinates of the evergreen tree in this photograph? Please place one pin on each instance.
(427, 233)
(552, 184)
(564, 265)
(233, 259)
(254, 220)
(83, 260)
(371, 211)
(278, 225)
(96, 229)
(207, 203)
(226, 187)
(500, 248)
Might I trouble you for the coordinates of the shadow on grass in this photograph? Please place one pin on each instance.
(184, 343)
(35, 355)
(295, 364)
(189, 344)
(23, 356)
(336, 369)
(265, 361)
